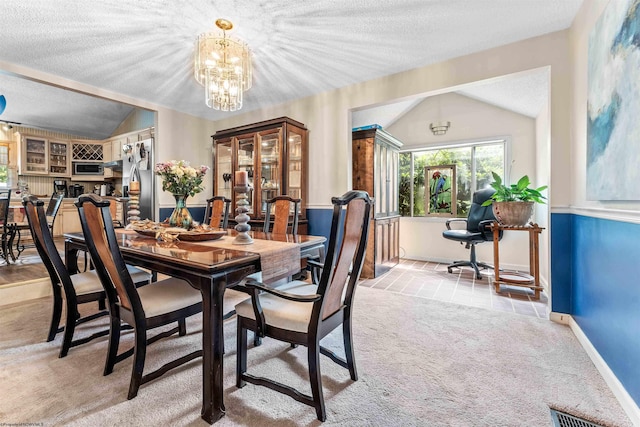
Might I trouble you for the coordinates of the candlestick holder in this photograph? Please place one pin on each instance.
(242, 218)
(133, 212)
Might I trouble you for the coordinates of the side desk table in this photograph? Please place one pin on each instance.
(517, 278)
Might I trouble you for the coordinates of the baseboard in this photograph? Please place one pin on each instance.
(562, 318)
(626, 401)
(24, 291)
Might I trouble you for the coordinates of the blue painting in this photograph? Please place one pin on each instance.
(613, 104)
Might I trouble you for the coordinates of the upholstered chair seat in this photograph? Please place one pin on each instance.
(89, 282)
(167, 296)
(282, 313)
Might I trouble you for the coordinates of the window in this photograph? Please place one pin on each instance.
(474, 164)
(4, 165)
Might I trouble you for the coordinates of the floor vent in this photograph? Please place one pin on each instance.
(562, 419)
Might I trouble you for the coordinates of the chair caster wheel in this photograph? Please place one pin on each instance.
(450, 270)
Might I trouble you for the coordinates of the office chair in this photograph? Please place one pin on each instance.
(477, 230)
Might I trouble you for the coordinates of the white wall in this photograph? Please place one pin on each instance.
(327, 115)
(470, 120)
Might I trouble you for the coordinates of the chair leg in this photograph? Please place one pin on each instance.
(138, 361)
(102, 304)
(57, 313)
(69, 329)
(182, 327)
(316, 380)
(114, 342)
(241, 354)
(348, 346)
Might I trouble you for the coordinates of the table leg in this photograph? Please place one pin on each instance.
(496, 256)
(12, 235)
(212, 348)
(70, 258)
(536, 263)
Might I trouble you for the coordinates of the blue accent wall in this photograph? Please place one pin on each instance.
(605, 291)
(561, 262)
(319, 222)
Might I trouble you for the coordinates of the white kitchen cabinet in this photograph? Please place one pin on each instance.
(108, 156)
(68, 216)
(116, 147)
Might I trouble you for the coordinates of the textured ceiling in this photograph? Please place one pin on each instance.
(144, 48)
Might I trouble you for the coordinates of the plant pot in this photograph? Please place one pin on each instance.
(513, 213)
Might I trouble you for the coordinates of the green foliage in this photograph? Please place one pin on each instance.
(487, 158)
(4, 174)
(519, 192)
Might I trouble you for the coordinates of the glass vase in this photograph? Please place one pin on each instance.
(180, 217)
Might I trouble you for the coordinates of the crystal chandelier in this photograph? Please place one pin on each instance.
(223, 66)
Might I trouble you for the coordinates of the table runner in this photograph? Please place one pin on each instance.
(277, 259)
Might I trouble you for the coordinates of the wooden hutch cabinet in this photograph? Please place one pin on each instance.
(376, 170)
(274, 154)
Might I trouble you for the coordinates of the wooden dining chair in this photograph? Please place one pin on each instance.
(162, 303)
(5, 229)
(216, 214)
(78, 289)
(304, 313)
(281, 207)
(51, 213)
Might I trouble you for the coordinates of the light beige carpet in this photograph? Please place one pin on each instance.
(421, 363)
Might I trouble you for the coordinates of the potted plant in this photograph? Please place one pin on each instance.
(513, 204)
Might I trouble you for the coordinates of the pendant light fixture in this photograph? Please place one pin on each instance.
(223, 66)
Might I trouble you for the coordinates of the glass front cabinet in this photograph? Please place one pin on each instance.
(375, 156)
(273, 153)
(41, 156)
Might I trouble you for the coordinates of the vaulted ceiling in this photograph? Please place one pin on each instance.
(144, 48)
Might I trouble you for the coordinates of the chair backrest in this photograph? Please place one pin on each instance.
(43, 240)
(53, 207)
(350, 257)
(281, 206)
(100, 237)
(5, 199)
(477, 212)
(217, 212)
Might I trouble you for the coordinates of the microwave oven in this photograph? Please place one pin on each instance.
(82, 168)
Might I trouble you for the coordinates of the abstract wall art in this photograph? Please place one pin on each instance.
(613, 104)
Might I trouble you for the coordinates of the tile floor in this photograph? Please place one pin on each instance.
(431, 280)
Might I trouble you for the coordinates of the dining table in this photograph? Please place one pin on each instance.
(211, 267)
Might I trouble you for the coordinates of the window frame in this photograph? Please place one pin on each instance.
(8, 164)
(476, 142)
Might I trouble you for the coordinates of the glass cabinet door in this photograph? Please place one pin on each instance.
(270, 177)
(394, 161)
(36, 155)
(59, 158)
(223, 170)
(294, 143)
(246, 162)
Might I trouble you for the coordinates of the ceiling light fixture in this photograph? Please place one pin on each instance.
(439, 128)
(223, 66)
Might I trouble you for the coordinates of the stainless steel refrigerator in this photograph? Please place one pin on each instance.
(137, 159)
